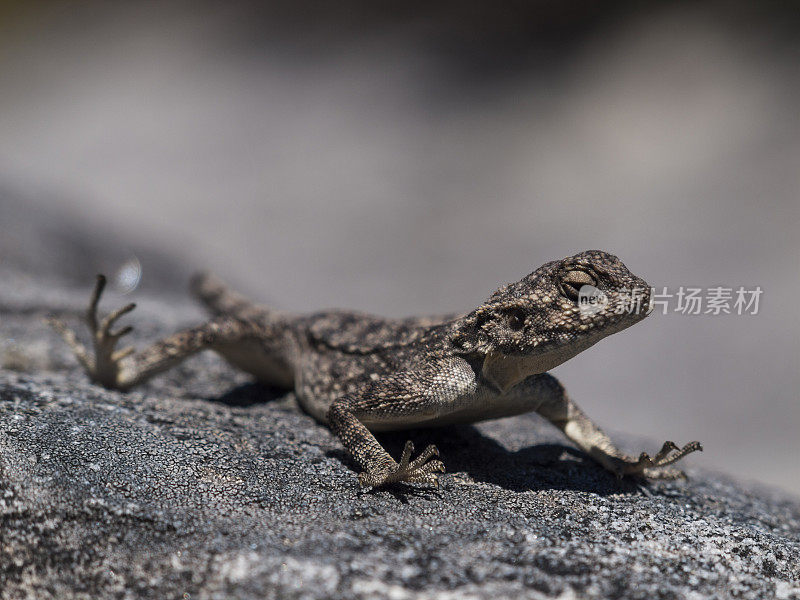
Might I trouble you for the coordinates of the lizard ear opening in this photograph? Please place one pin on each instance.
(515, 318)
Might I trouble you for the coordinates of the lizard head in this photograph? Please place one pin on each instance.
(551, 315)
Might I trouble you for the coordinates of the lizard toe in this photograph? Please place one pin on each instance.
(420, 470)
(422, 459)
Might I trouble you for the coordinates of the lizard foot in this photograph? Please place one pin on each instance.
(103, 367)
(654, 467)
(419, 470)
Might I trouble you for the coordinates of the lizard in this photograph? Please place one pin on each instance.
(361, 374)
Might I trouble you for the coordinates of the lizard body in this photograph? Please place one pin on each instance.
(361, 373)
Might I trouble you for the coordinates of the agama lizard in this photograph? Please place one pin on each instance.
(360, 373)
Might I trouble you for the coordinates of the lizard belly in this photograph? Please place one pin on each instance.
(481, 405)
(252, 357)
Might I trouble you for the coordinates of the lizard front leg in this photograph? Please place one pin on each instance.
(123, 369)
(562, 412)
(399, 399)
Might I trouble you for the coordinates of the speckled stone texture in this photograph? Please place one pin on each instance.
(203, 485)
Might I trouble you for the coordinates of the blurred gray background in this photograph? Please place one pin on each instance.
(411, 159)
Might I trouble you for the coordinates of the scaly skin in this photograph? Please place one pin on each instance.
(360, 373)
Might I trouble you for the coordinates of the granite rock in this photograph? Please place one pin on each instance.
(202, 484)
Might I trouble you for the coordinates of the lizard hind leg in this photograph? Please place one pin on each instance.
(102, 363)
(124, 369)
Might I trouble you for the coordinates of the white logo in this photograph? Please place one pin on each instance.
(591, 300)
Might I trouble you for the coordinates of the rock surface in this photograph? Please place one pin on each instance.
(203, 485)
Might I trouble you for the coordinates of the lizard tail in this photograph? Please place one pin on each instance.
(219, 299)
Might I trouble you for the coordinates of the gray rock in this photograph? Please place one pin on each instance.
(204, 485)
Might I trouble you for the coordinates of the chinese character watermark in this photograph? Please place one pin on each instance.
(591, 300)
(717, 300)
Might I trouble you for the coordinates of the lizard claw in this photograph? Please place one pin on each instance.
(419, 470)
(654, 468)
(103, 367)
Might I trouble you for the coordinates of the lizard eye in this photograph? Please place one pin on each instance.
(573, 281)
(516, 319)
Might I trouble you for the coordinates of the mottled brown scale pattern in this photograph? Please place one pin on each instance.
(361, 373)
